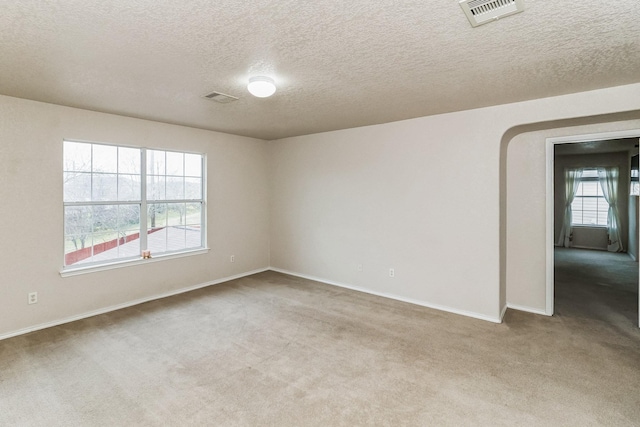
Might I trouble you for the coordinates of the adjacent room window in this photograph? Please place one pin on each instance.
(589, 207)
(120, 201)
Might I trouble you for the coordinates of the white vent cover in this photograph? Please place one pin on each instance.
(482, 11)
(220, 97)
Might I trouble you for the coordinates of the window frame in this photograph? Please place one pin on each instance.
(596, 197)
(142, 202)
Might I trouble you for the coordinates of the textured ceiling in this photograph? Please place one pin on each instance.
(337, 64)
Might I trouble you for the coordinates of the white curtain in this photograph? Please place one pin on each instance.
(608, 178)
(571, 183)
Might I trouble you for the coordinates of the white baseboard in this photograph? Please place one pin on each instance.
(390, 296)
(527, 309)
(125, 305)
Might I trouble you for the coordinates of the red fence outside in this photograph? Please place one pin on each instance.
(84, 253)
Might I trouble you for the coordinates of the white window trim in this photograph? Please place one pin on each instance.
(74, 270)
(69, 271)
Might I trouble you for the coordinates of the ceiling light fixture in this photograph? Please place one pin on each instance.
(261, 86)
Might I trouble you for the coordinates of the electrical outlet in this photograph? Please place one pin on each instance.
(359, 267)
(392, 272)
(232, 258)
(33, 297)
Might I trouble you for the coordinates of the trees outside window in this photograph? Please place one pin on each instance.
(120, 200)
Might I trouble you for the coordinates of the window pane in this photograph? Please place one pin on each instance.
(129, 245)
(157, 240)
(71, 243)
(602, 218)
(131, 236)
(193, 214)
(105, 246)
(576, 217)
(156, 162)
(156, 230)
(128, 187)
(92, 233)
(576, 205)
(602, 204)
(156, 187)
(105, 158)
(590, 188)
(76, 248)
(78, 219)
(97, 173)
(157, 215)
(589, 218)
(77, 156)
(175, 164)
(589, 173)
(193, 220)
(77, 187)
(590, 203)
(128, 218)
(78, 225)
(193, 188)
(129, 160)
(176, 238)
(105, 187)
(194, 237)
(105, 218)
(193, 165)
(176, 213)
(175, 188)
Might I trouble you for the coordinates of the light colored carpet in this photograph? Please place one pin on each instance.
(597, 284)
(274, 350)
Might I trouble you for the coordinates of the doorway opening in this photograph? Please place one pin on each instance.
(592, 268)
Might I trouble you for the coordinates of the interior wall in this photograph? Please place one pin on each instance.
(592, 237)
(32, 211)
(526, 248)
(421, 196)
(633, 227)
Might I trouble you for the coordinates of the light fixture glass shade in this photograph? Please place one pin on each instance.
(261, 86)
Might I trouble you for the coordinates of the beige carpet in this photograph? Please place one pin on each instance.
(598, 285)
(273, 350)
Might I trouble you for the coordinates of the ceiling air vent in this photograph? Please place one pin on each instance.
(220, 97)
(482, 11)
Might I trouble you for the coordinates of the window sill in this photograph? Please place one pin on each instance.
(75, 271)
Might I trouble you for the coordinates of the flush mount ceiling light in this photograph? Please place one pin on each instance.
(261, 86)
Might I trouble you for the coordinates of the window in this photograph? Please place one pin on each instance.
(119, 201)
(589, 207)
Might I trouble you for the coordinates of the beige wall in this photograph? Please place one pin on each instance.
(526, 206)
(633, 227)
(31, 135)
(422, 196)
(426, 197)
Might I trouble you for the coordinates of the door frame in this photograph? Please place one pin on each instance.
(550, 145)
